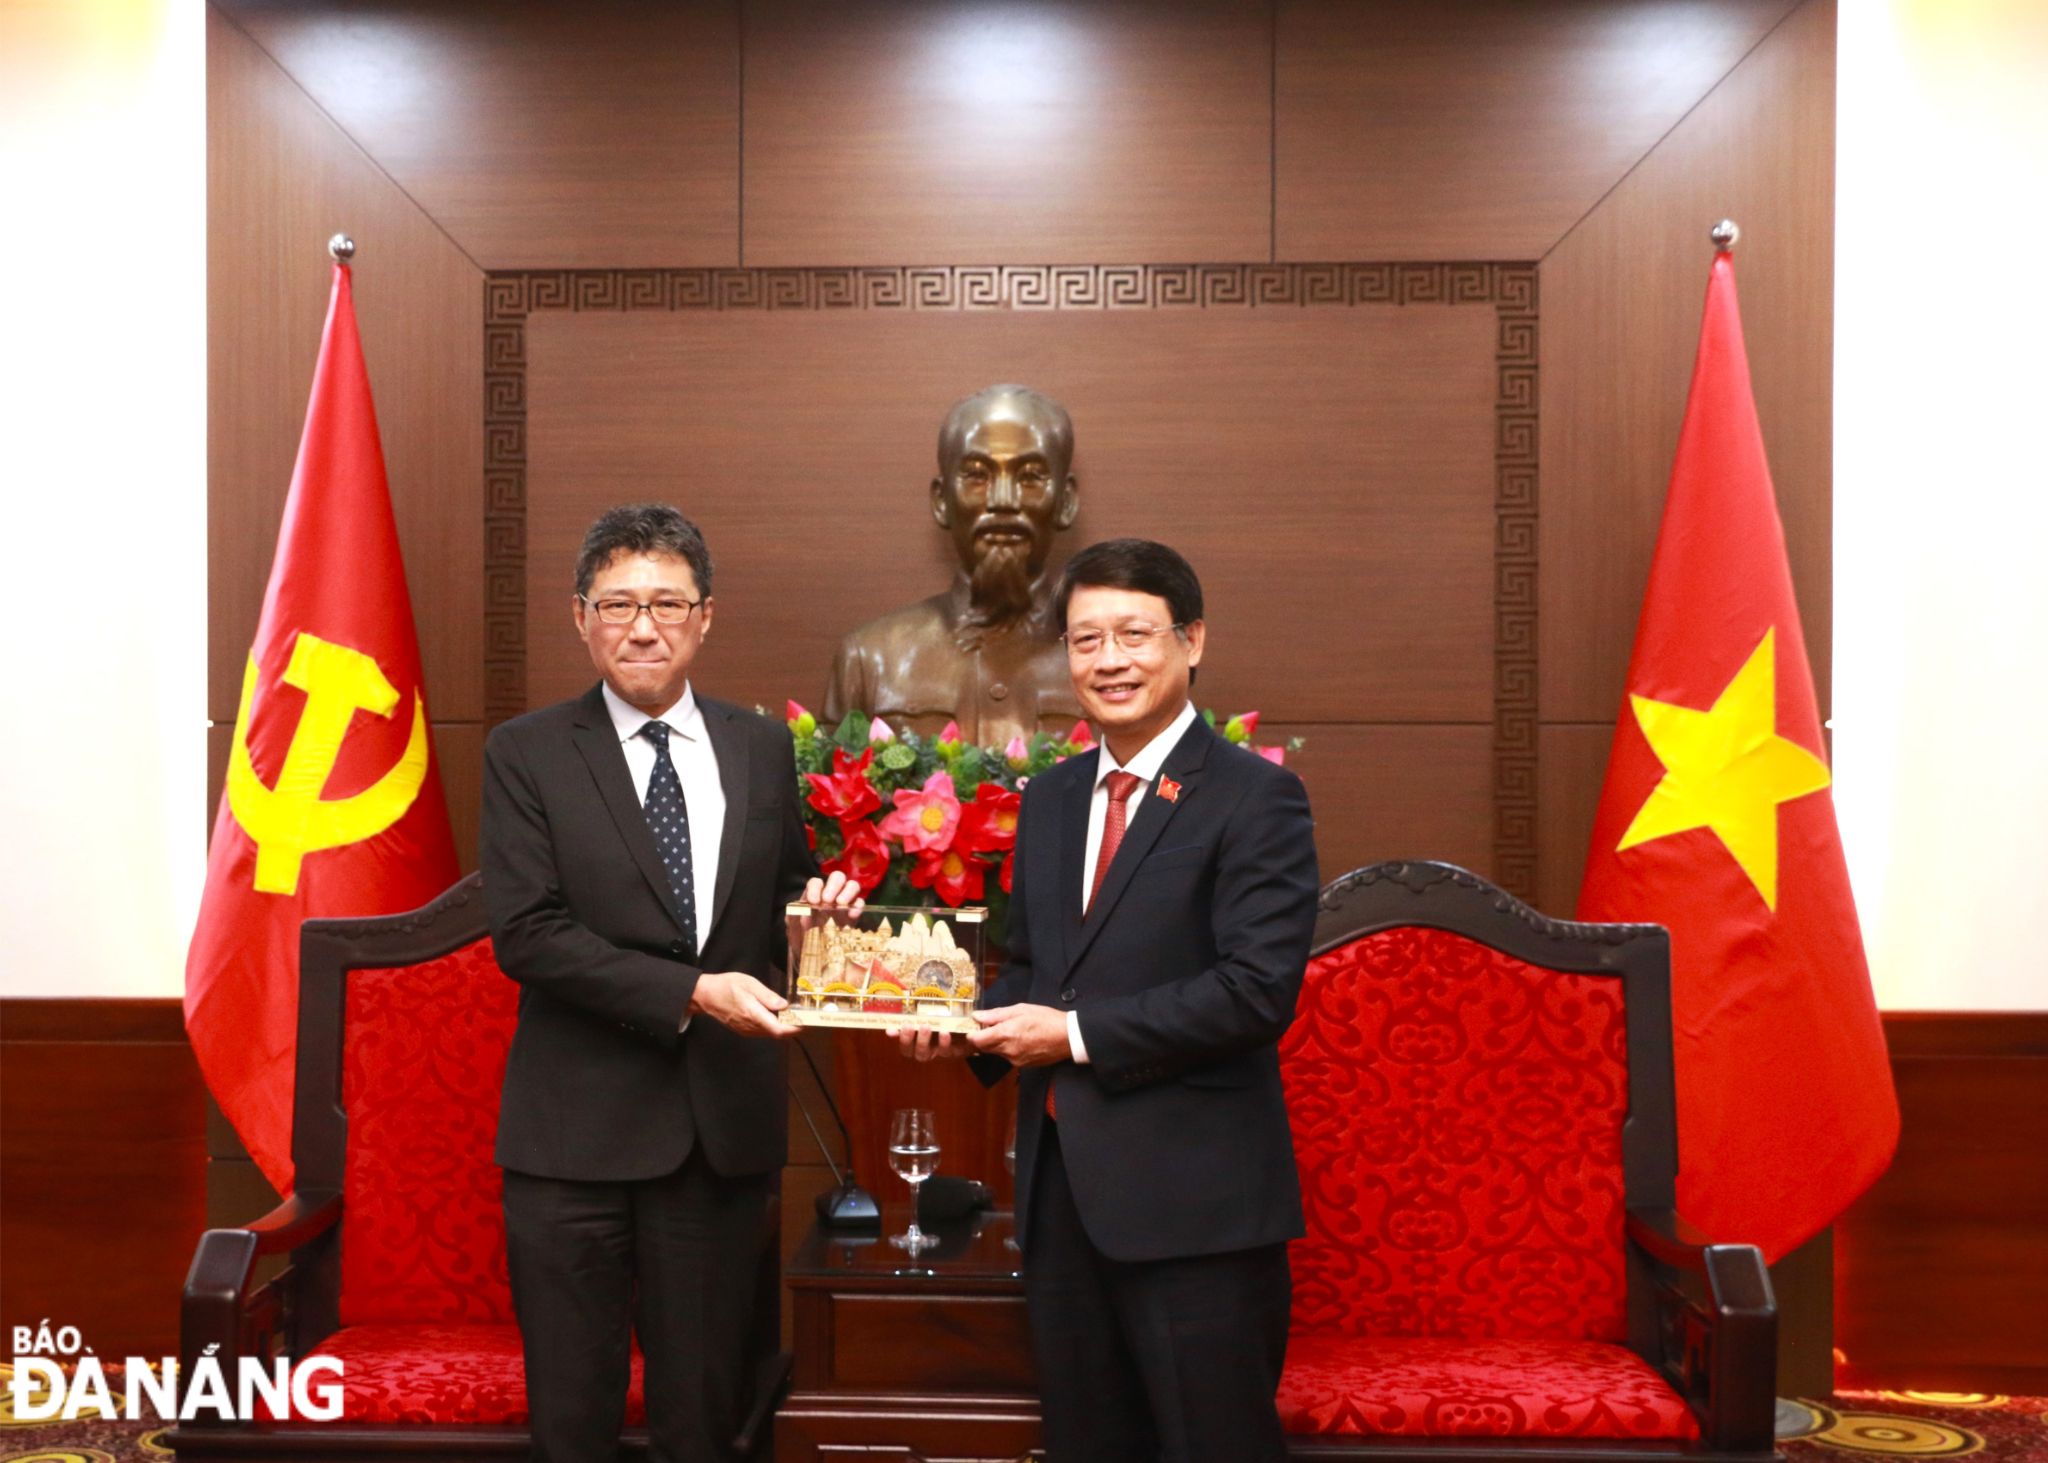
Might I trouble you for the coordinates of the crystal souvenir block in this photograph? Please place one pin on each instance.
(891, 965)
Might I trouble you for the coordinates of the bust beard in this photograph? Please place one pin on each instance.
(999, 594)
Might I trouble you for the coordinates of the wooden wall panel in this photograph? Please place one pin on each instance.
(897, 132)
(102, 1163)
(1482, 129)
(604, 133)
(1941, 1275)
(1393, 791)
(1574, 763)
(1621, 313)
(1362, 437)
(281, 179)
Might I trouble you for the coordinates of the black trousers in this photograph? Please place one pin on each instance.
(673, 1259)
(1175, 1360)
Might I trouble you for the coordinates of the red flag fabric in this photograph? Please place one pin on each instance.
(333, 802)
(1716, 821)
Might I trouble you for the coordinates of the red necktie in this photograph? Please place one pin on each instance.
(1121, 786)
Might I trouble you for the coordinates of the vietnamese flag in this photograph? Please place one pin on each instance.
(1716, 822)
(333, 803)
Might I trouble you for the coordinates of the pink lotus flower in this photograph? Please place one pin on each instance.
(948, 741)
(1081, 738)
(926, 819)
(1017, 754)
(800, 721)
(878, 731)
(1240, 728)
(1275, 755)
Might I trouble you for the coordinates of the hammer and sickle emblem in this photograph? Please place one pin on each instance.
(291, 820)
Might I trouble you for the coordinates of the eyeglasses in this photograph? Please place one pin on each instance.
(665, 611)
(1134, 639)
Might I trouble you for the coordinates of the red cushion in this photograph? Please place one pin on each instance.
(1501, 1389)
(1457, 1120)
(423, 1228)
(440, 1374)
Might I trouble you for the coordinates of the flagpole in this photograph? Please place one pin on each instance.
(1793, 1419)
(341, 248)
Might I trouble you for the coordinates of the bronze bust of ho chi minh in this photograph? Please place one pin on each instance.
(984, 652)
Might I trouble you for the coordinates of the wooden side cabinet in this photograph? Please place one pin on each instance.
(918, 1360)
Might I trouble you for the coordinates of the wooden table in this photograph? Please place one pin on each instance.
(902, 1359)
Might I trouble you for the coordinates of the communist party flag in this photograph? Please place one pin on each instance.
(333, 803)
(1716, 822)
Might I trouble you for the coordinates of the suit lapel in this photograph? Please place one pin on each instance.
(1071, 843)
(729, 746)
(1184, 765)
(598, 742)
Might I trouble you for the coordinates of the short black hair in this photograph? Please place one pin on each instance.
(642, 528)
(1132, 563)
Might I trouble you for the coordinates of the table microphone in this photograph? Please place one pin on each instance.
(846, 1205)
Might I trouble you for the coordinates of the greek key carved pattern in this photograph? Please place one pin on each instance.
(1514, 581)
(511, 297)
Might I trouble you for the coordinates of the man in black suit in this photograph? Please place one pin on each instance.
(1164, 898)
(639, 844)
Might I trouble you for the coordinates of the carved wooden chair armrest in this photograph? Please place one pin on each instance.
(220, 1312)
(1715, 1328)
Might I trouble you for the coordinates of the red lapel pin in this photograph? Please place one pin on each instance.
(1168, 788)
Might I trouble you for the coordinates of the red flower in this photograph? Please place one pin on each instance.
(845, 792)
(1080, 737)
(955, 875)
(864, 859)
(989, 823)
(925, 820)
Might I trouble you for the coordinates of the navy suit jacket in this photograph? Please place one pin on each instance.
(1185, 973)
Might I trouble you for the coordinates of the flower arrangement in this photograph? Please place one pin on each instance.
(932, 820)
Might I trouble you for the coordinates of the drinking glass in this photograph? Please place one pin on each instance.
(914, 1157)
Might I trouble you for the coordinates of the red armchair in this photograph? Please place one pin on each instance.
(1483, 1115)
(396, 1236)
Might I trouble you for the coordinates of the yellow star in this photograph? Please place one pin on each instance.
(1727, 769)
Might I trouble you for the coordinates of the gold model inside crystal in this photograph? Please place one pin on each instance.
(913, 970)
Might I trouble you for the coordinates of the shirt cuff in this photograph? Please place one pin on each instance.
(1075, 1045)
(687, 1018)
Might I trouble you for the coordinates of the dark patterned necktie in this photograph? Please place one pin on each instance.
(669, 821)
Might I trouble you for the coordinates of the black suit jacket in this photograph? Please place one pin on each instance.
(1185, 974)
(600, 1084)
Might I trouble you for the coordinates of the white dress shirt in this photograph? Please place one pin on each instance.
(1145, 766)
(697, 768)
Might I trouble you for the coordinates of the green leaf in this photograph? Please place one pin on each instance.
(852, 733)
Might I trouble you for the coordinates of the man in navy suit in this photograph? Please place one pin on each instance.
(1163, 903)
